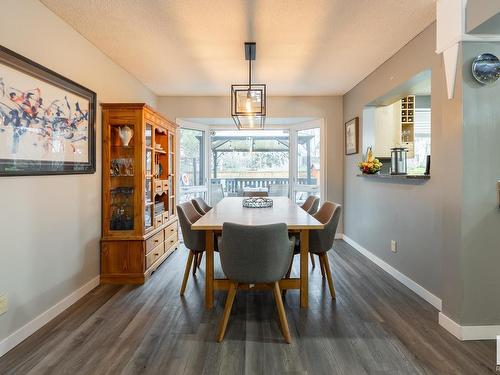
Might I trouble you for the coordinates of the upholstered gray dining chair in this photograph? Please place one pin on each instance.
(201, 206)
(311, 204)
(321, 240)
(254, 255)
(193, 240)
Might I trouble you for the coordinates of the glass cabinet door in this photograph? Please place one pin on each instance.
(122, 170)
(148, 170)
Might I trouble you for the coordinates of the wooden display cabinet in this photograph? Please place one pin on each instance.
(139, 222)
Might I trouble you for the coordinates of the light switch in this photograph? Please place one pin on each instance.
(394, 246)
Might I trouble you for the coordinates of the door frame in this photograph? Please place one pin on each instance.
(183, 124)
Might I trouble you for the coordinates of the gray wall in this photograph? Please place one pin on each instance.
(421, 217)
(480, 215)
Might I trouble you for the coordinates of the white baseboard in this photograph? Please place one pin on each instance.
(31, 327)
(403, 279)
(464, 333)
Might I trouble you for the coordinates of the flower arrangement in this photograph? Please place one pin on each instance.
(370, 165)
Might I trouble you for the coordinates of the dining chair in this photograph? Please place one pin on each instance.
(321, 240)
(278, 190)
(255, 194)
(311, 204)
(201, 206)
(193, 240)
(254, 255)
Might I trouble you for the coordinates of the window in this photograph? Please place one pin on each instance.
(244, 161)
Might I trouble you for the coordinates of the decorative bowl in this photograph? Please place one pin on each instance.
(257, 202)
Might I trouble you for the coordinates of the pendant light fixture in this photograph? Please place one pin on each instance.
(248, 102)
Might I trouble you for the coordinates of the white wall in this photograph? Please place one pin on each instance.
(50, 225)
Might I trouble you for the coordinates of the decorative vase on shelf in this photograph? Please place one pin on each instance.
(125, 134)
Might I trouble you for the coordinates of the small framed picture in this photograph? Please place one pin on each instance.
(351, 136)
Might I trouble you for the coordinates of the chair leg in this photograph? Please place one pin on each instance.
(227, 310)
(326, 264)
(281, 312)
(288, 275)
(289, 270)
(313, 263)
(322, 267)
(195, 263)
(186, 272)
(200, 257)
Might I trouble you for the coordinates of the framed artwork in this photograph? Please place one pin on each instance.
(351, 136)
(47, 122)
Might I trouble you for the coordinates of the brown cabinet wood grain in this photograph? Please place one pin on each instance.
(138, 191)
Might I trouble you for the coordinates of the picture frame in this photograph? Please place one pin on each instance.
(47, 121)
(351, 136)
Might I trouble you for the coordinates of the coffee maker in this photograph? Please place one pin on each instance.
(399, 156)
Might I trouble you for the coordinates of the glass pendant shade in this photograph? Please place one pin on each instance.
(248, 106)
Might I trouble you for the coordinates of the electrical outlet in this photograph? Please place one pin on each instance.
(394, 246)
(3, 304)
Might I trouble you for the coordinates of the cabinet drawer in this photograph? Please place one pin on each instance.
(171, 241)
(158, 221)
(154, 241)
(165, 216)
(154, 255)
(171, 229)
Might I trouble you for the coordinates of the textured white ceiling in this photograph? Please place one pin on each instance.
(195, 47)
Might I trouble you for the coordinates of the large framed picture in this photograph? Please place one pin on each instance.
(351, 136)
(47, 122)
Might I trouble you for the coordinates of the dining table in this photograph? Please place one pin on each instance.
(283, 210)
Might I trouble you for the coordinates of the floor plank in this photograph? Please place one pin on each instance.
(375, 326)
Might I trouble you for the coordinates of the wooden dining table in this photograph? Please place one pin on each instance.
(231, 210)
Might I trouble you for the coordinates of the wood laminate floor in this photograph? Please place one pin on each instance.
(375, 326)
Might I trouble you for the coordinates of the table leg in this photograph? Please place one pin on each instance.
(209, 269)
(304, 268)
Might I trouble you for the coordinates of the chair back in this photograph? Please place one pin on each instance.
(255, 254)
(255, 194)
(200, 205)
(311, 204)
(193, 239)
(314, 208)
(321, 240)
(278, 190)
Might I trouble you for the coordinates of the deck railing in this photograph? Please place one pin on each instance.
(235, 186)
